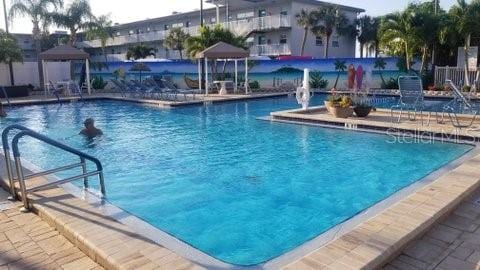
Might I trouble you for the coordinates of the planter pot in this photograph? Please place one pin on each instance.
(339, 112)
(362, 111)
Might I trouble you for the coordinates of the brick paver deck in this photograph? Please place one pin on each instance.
(453, 243)
(27, 242)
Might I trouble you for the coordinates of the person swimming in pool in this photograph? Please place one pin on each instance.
(90, 131)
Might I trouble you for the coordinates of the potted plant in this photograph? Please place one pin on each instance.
(362, 109)
(339, 106)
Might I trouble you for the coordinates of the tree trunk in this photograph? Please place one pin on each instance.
(407, 57)
(181, 54)
(304, 41)
(104, 51)
(38, 51)
(361, 50)
(424, 59)
(467, 50)
(327, 45)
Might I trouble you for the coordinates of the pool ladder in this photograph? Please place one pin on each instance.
(21, 178)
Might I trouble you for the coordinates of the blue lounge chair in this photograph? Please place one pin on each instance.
(460, 105)
(411, 99)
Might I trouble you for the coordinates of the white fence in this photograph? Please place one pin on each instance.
(456, 75)
(27, 73)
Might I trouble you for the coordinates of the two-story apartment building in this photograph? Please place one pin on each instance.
(269, 25)
(27, 44)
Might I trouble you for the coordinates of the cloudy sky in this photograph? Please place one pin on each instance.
(126, 10)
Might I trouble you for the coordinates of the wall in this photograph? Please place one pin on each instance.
(27, 73)
(269, 73)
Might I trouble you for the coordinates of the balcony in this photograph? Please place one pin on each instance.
(242, 27)
(270, 50)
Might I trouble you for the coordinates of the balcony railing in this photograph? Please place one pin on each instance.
(241, 27)
(270, 50)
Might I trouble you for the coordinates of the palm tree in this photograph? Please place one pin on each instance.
(78, 16)
(330, 20)
(9, 49)
(39, 13)
(306, 20)
(140, 51)
(340, 66)
(380, 64)
(398, 34)
(102, 30)
(465, 18)
(209, 37)
(367, 32)
(176, 39)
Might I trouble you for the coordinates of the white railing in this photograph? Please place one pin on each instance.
(242, 27)
(270, 50)
(456, 75)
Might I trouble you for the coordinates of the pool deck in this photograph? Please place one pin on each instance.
(453, 243)
(28, 242)
(381, 121)
(397, 237)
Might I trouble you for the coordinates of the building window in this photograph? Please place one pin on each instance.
(149, 29)
(131, 32)
(319, 41)
(213, 20)
(262, 40)
(177, 25)
(188, 24)
(118, 34)
(284, 13)
(166, 27)
(335, 42)
(283, 39)
(262, 13)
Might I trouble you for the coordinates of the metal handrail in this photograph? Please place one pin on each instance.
(8, 160)
(25, 132)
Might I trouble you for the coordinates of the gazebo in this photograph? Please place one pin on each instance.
(66, 53)
(223, 51)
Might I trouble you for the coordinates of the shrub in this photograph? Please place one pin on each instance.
(98, 83)
(254, 85)
(340, 101)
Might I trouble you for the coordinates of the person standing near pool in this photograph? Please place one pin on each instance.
(90, 130)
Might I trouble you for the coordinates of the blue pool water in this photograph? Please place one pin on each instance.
(239, 189)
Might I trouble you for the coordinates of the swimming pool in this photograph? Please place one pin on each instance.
(239, 189)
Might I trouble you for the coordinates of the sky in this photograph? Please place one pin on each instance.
(122, 11)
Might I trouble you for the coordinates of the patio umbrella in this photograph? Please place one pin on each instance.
(140, 67)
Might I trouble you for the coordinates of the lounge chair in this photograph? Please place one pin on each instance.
(120, 86)
(459, 105)
(75, 89)
(411, 99)
(55, 91)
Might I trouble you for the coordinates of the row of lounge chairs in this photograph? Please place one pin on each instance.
(412, 103)
(153, 88)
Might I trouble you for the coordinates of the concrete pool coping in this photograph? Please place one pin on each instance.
(47, 206)
(210, 99)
